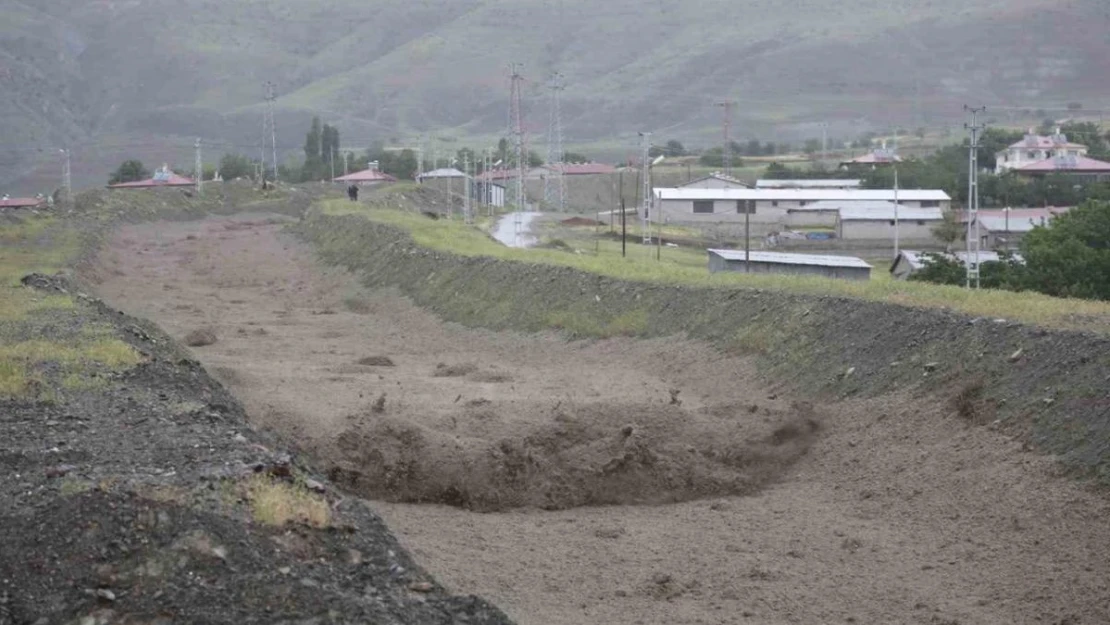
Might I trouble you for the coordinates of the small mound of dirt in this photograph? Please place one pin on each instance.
(200, 338)
(458, 370)
(376, 361)
(490, 377)
(583, 456)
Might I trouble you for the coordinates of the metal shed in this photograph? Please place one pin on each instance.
(843, 267)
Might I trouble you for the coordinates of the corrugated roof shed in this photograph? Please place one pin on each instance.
(443, 172)
(716, 176)
(786, 258)
(888, 214)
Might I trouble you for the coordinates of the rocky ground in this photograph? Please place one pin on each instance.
(141, 494)
(648, 481)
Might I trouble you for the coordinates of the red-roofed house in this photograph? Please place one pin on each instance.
(877, 158)
(366, 177)
(22, 202)
(162, 178)
(1070, 165)
(1036, 148)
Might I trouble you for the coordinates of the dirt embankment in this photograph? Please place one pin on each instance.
(1050, 387)
(144, 496)
(892, 514)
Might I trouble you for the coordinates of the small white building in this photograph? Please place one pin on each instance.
(772, 206)
(825, 213)
(716, 180)
(870, 224)
(808, 184)
(1034, 148)
(844, 267)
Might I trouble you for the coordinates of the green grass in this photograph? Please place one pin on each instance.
(46, 245)
(683, 266)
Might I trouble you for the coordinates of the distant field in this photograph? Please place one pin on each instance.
(689, 267)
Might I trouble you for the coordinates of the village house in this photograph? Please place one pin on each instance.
(872, 224)
(163, 178)
(9, 202)
(1005, 228)
(1034, 148)
(1069, 165)
(879, 157)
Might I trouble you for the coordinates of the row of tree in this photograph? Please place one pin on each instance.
(1069, 257)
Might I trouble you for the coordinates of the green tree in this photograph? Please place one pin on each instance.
(575, 157)
(812, 146)
(129, 171)
(313, 148)
(949, 230)
(1070, 257)
(234, 166)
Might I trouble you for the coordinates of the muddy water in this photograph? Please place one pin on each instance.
(897, 513)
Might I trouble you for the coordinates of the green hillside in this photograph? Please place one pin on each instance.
(149, 73)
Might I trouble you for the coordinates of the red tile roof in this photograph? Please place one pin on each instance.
(1040, 142)
(497, 174)
(22, 202)
(584, 169)
(1080, 164)
(366, 175)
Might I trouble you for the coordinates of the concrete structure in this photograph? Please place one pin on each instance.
(1034, 148)
(446, 179)
(771, 206)
(844, 267)
(489, 193)
(716, 180)
(824, 214)
(871, 224)
(365, 178)
(163, 177)
(1004, 228)
(1080, 166)
(910, 262)
(808, 184)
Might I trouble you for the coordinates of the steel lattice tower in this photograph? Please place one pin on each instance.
(555, 185)
(271, 126)
(726, 149)
(516, 121)
(972, 262)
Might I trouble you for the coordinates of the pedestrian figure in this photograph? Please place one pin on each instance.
(353, 192)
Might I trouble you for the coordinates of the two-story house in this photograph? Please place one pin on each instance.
(1035, 148)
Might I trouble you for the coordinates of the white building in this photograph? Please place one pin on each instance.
(1035, 148)
(826, 212)
(808, 184)
(843, 267)
(772, 206)
(870, 224)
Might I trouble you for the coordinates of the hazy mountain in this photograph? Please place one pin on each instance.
(145, 76)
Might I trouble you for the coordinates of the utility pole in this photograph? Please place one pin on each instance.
(824, 141)
(467, 218)
(199, 168)
(272, 124)
(974, 128)
(897, 251)
(555, 185)
(645, 181)
(346, 163)
(726, 152)
(67, 179)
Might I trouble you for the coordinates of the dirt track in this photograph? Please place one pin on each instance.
(893, 511)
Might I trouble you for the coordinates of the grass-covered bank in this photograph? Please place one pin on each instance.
(1047, 384)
